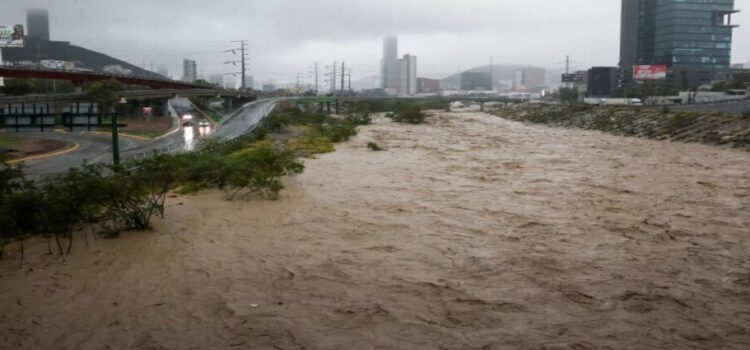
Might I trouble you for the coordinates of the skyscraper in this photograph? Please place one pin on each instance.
(685, 35)
(389, 65)
(37, 22)
(407, 75)
(189, 70)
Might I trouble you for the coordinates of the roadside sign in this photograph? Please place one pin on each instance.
(11, 35)
(147, 112)
(650, 72)
(576, 77)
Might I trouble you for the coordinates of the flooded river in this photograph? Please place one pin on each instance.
(470, 232)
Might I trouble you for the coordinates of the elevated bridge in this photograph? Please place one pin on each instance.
(80, 77)
(129, 94)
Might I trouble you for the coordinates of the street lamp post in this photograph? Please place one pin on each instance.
(115, 135)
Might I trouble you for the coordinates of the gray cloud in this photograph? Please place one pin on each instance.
(287, 36)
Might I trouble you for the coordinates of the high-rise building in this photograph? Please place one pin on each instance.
(189, 70)
(390, 65)
(685, 35)
(37, 23)
(407, 75)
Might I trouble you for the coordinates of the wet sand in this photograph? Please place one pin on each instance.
(471, 232)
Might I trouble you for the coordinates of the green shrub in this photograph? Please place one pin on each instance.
(410, 113)
(261, 170)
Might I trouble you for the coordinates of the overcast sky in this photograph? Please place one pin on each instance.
(286, 37)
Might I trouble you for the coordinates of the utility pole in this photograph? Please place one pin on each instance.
(333, 68)
(492, 75)
(241, 60)
(567, 69)
(316, 78)
(343, 74)
(350, 81)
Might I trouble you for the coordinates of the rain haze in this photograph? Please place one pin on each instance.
(496, 174)
(286, 37)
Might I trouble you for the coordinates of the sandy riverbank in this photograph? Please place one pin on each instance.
(471, 232)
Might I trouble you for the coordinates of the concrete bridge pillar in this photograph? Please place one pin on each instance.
(328, 107)
(481, 106)
(78, 84)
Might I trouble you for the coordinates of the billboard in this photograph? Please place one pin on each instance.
(650, 72)
(11, 36)
(576, 77)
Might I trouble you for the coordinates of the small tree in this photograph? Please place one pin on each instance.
(408, 113)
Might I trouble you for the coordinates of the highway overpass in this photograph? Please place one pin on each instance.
(78, 77)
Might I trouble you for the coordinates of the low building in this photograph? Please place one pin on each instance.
(606, 81)
(269, 88)
(476, 81)
(531, 79)
(428, 86)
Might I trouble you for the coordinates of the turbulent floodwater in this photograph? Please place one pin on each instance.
(471, 232)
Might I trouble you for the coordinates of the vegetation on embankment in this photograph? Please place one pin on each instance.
(653, 123)
(311, 133)
(107, 199)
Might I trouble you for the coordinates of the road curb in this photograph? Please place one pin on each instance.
(70, 149)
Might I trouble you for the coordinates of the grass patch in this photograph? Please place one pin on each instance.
(8, 142)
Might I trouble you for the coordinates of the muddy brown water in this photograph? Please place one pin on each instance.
(470, 232)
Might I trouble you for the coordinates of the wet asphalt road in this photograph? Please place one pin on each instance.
(98, 148)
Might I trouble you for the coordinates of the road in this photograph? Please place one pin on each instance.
(97, 148)
(246, 119)
(738, 107)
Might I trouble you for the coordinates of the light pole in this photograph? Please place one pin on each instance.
(115, 135)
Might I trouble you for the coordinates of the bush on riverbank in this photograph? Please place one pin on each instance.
(314, 133)
(410, 113)
(110, 198)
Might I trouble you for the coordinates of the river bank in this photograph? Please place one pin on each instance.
(656, 123)
(468, 232)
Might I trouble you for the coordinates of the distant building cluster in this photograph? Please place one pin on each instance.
(398, 76)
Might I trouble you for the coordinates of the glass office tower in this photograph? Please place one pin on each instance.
(677, 33)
